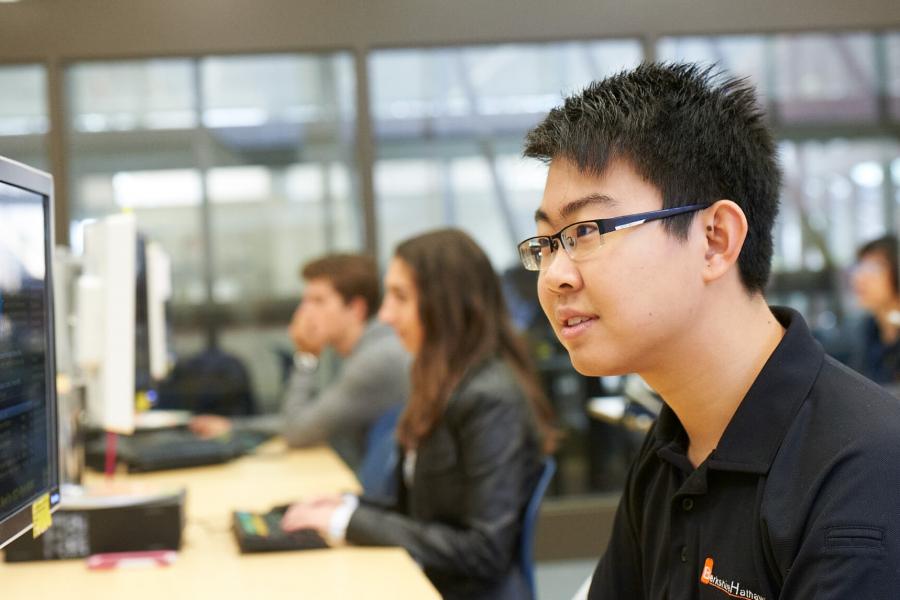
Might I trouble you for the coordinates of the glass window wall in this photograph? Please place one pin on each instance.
(24, 120)
(243, 167)
(449, 124)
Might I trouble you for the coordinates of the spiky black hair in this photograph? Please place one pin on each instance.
(696, 134)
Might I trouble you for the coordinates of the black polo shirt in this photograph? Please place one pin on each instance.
(801, 498)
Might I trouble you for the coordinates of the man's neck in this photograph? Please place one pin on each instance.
(351, 338)
(713, 367)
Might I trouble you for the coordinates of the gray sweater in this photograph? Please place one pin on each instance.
(371, 379)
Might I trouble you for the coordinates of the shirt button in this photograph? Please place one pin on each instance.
(687, 504)
(684, 555)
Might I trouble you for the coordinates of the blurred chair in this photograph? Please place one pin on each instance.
(209, 382)
(377, 472)
(529, 523)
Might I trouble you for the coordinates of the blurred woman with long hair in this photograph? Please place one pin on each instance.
(472, 435)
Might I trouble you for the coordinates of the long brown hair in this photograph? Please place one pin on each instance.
(465, 322)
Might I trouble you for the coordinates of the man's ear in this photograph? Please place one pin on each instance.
(725, 229)
(359, 307)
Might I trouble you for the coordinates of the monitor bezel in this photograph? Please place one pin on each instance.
(32, 180)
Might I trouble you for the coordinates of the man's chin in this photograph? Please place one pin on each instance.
(592, 366)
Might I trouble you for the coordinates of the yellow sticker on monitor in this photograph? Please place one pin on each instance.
(142, 401)
(41, 519)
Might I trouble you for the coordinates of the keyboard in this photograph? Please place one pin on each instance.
(173, 449)
(262, 532)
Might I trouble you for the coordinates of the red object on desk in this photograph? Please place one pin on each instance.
(145, 558)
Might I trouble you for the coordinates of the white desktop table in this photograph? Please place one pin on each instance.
(209, 564)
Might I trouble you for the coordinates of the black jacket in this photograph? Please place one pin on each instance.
(474, 473)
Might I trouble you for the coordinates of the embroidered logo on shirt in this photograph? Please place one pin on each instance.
(732, 588)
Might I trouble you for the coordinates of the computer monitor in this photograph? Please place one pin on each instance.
(29, 471)
(69, 391)
(105, 322)
(154, 289)
(159, 292)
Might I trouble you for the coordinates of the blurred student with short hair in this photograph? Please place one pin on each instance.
(340, 299)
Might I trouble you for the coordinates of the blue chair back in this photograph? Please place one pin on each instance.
(377, 472)
(529, 523)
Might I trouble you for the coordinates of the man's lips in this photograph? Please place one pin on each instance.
(572, 323)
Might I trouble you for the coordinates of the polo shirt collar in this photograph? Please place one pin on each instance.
(759, 425)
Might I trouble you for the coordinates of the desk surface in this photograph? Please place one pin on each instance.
(209, 565)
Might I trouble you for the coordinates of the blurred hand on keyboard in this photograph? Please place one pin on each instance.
(314, 514)
(210, 426)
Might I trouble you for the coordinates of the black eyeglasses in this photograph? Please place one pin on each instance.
(580, 239)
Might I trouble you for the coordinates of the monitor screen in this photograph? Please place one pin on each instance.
(154, 283)
(28, 445)
(142, 377)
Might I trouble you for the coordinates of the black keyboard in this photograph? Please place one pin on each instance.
(262, 532)
(174, 449)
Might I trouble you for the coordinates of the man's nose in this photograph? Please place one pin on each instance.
(561, 274)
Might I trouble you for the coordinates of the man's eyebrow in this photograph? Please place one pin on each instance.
(540, 215)
(574, 206)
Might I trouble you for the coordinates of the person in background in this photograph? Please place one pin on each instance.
(772, 470)
(876, 352)
(341, 296)
(472, 434)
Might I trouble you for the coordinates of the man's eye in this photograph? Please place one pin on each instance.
(584, 229)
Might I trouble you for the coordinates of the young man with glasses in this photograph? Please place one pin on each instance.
(772, 471)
